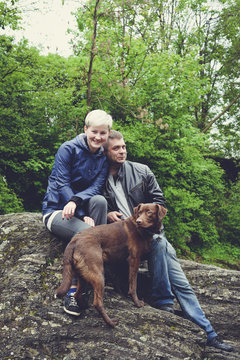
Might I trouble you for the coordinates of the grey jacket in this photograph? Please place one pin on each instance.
(139, 185)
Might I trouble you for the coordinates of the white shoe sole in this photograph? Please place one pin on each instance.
(71, 312)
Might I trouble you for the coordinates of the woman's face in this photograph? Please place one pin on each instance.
(96, 136)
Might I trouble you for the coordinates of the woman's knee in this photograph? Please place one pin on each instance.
(99, 201)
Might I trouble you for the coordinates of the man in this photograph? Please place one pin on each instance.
(131, 183)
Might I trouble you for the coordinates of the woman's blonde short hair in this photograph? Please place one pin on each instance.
(98, 118)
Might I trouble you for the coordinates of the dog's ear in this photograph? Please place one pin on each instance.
(161, 211)
(136, 209)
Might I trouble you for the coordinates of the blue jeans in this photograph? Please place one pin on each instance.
(169, 280)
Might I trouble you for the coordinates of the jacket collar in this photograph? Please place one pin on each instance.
(122, 171)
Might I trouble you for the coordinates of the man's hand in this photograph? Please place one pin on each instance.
(114, 216)
(88, 221)
(69, 210)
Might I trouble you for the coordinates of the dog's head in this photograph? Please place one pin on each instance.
(149, 216)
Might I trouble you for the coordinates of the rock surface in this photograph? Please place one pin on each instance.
(34, 326)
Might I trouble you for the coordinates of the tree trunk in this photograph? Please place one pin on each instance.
(92, 54)
(221, 113)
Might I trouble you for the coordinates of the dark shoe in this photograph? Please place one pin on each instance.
(143, 267)
(165, 307)
(71, 306)
(219, 344)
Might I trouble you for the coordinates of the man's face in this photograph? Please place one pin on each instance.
(116, 152)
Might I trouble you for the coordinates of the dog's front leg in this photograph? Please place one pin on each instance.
(133, 269)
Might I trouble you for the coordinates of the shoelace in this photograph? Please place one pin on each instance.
(73, 301)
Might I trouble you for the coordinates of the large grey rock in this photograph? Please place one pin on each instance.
(34, 326)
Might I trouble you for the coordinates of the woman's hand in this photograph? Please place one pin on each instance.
(69, 210)
(88, 221)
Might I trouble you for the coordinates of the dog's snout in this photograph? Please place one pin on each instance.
(139, 221)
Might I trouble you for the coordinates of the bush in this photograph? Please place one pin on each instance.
(9, 202)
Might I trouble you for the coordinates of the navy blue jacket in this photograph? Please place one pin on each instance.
(77, 173)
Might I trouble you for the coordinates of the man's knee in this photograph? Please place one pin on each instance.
(159, 242)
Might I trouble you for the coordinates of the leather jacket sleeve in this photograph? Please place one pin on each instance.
(153, 190)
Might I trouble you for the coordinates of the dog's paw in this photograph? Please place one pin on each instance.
(140, 303)
(113, 322)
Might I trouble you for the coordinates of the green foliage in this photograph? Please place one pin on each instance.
(9, 202)
(35, 109)
(222, 254)
(9, 14)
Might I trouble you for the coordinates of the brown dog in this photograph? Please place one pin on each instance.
(128, 239)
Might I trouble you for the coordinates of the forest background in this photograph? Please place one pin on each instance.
(168, 73)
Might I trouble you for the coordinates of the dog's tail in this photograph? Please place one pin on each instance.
(67, 272)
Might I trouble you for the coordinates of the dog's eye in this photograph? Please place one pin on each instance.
(149, 213)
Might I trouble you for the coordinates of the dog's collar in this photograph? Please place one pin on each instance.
(150, 231)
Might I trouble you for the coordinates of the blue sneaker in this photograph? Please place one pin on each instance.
(71, 306)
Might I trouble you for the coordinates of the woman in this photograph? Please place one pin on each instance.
(72, 201)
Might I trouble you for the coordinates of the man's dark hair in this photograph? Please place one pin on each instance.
(114, 134)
